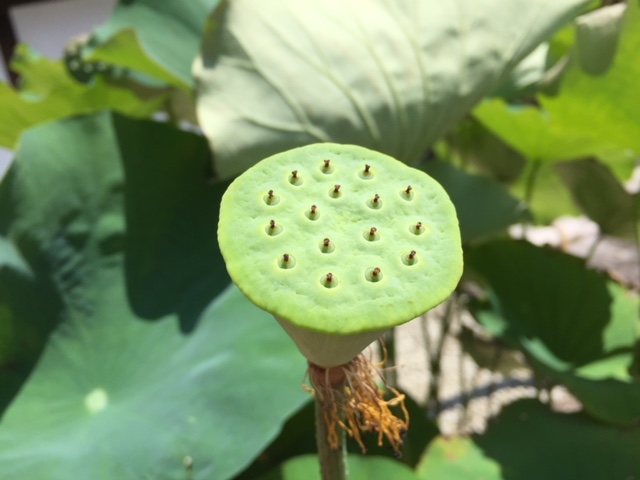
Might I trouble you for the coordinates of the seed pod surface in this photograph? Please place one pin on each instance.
(394, 252)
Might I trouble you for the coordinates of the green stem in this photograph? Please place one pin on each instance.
(390, 373)
(333, 463)
(532, 176)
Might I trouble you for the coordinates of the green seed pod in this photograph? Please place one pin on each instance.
(379, 254)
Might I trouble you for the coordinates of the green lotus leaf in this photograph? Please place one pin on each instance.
(109, 221)
(339, 239)
(391, 76)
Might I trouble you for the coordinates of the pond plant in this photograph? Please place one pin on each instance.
(193, 169)
(340, 244)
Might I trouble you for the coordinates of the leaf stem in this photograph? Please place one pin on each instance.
(532, 176)
(333, 462)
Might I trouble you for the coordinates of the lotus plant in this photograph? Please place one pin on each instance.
(340, 244)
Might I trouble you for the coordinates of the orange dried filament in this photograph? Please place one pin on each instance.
(358, 405)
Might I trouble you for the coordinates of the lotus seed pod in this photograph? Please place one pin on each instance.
(339, 243)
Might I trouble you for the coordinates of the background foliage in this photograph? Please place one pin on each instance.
(124, 351)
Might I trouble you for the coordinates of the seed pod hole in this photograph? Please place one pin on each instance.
(371, 235)
(366, 172)
(273, 228)
(271, 198)
(335, 192)
(373, 274)
(410, 258)
(294, 178)
(286, 261)
(312, 213)
(407, 193)
(329, 280)
(417, 228)
(327, 167)
(327, 246)
(375, 202)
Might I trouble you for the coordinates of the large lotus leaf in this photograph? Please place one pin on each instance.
(591, 115)
(24, 324)
(448, 458)
(133, 400)
(576, 327)
(114, 396)
(168, 34)
(360, 468)
(484, 207)
(527, 441)
(390, 76)
(49, 93)
(613, 208)
(527, 75)
(530, 442)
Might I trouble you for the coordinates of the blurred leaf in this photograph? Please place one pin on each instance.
(114, 396)
(600, 196)
(360, 468)
(51, 94)
(597, 34)
(483, 151)
(168, 35)
(575, 326)
(530, 442)
(484, 207)
(124, 49)
(171, 214)
(590, 117)
(550, 198)
(24, 324)
(489, 352)
(526, 76)
(456, 458)
(390, 76)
